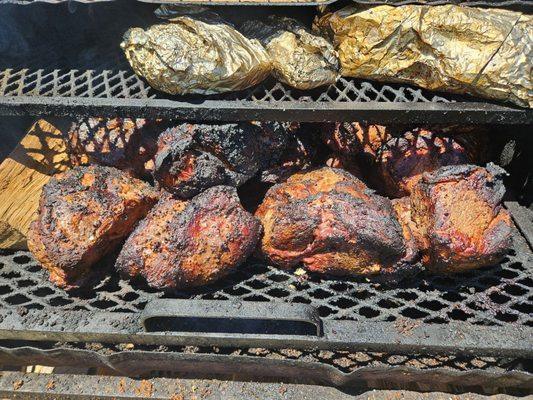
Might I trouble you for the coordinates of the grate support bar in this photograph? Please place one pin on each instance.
(19, 385)
(400, 337)
(224, 110)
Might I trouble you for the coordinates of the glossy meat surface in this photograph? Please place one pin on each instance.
(195, 157)
(458, 219)
(84, 214)
(332, 223)
(124, 143)
(186, 244)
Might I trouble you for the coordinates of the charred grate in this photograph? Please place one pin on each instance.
(124, 84)
(497, 295)
(344, 361)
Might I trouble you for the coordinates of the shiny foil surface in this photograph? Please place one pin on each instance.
(299, 58)
(193, 56)
(483, 52)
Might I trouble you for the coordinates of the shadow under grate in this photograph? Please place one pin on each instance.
(496, 295)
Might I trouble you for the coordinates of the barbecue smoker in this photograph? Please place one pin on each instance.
(261, 332)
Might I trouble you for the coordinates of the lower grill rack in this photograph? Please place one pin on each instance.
(492, 296)
(471, 331)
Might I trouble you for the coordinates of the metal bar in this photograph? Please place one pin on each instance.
(526, 4)
(246, 368)
(523, 218)
(398, 338)
(223, 110)
(17, 385)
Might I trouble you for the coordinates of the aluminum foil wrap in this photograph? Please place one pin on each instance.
(299, 58)
(484, 52)
(190, 55)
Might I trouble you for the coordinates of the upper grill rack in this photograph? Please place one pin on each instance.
(72, 71)
(105, 92)
(124, 84)
(495, 295)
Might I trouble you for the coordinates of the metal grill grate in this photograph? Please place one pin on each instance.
(124, 84)
(495, 295)
(344, 361)
(75, 92)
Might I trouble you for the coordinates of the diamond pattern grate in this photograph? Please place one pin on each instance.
(125, 84)
(497, 295)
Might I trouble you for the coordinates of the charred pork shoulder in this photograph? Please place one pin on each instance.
(84, 214)
(299, 154)
(354, 138)
(332, 223)
(457, 217)
(194, 157)
(186, 244)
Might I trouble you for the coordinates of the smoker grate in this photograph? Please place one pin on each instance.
(75, 92)
(124, 84)
(495, 295)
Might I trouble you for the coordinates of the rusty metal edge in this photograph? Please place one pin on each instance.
(523, 218)
(247, 368)
(18, 385)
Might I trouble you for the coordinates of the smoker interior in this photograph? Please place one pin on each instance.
(46, 54)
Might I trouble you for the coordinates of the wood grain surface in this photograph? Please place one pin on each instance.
(39, 155)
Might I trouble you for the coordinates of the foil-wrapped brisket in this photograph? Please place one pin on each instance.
(484, 52)
(299, 58)
(190, 55)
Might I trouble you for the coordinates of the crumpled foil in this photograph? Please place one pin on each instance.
(299, 58)
(484, 52)
(193, 56)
